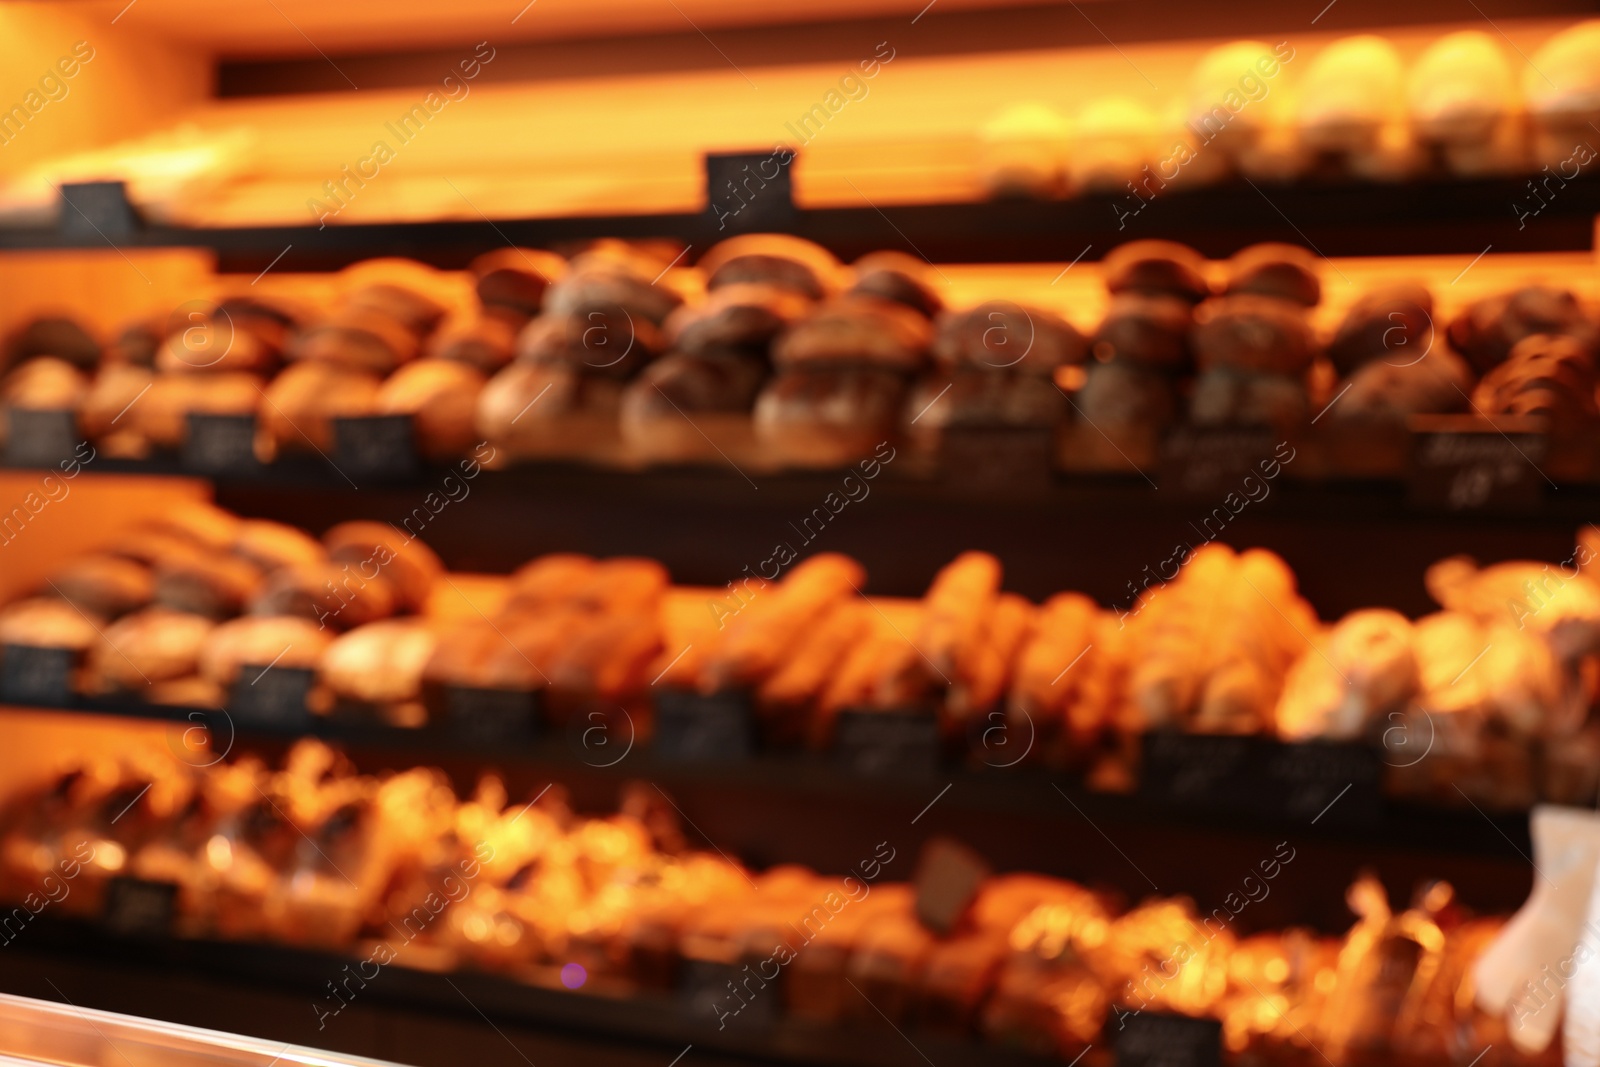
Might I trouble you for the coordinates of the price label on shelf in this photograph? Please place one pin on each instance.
(1463, 463)
(693, 728)
(900, 742)
(1214, 460)
(33, 674)
(491, 716)
(1316, 781)
(1158, 1039)
(41, 438)
(218, 443)
(273, 698)
(139, 908)
(727, 993)
(375, 446)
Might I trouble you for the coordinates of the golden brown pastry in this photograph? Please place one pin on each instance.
(298, 408)
(1147, 329)
(1361, 668)
(114, 391)
(380, 663)
(215, 346)
(48, 622)
(216, 586)
(1546, 375)
(896, 276)
(1162, 268)
(202, 524)
(485, 341)
(378, 548)
(1044, 676)
(1486, 331)
(270, 545)
(154, 645)
(1287, 272)
(404, 301)
(441, 396)
(956, 612)
(817, 657)
(280, 641)
(162, 416)
(105, 586)
(58, 336)
(740, 317)
(764, 633)
(828, 416)
(44, 383)
(548, 582)
(980, 682)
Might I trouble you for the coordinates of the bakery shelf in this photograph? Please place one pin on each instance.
(1443, 216)
(419, 1014)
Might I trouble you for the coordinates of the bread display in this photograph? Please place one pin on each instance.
(1465, 104)
(773, 259)
(1550, 376)
(819, 416)
(1351, 108)
(298, 408)
(1485, 332)
(515, 279)
(441, 396)
(1563, 93)
(1023, 151)
(898, 277)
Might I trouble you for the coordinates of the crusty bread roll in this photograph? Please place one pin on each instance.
(59, 336)
(1163, 268)
(824, 416)
(380, 663)
(162, 416)
(1114, 138)
(154, 645)
(375, 547)
(1351, 98)
(1561, 84)
(1360, 668)
(48, 622)
(215, 346)
(256, 642)
(1001, 335)
(774, 259)
(485, 341)
(896, 276)
(610, 342)
(740, 317)
(105, 586)
(515, 278)
(211, 584)
(201, 523)
(1384, 391)
(1252, 333)
(335, 595)
(106, 406)
(298, 408)
(410, 305)
(44, 383)
(857, 330)
(357, 339)
(1545, 599)
(754, 643)
(1024, 150)
(1546, 375)
(689, 407)
(1287, 272)
(612, 281)
(1146, 329)
(270, 545)
(549, 409)
(971, 397)
(548, 582)
(441, 396)
(1485, 331)
(1393, 322)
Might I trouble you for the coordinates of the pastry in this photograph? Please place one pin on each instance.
(898, 277)
(1351, 103)
(1123, 394)
(270, 545)
(1287, 272)
(549, 409)
(162, 416)
(1363, 667)
(775, 259)
(114, 391)
(971, 397)
(377, 548)
(547, 583)
(359, 340)
(202, 524)
(1382, 391)
(215, 346)
(1146, 329)
(1486, 331)
(857, 330)
(284, 641)
(753, 643)
(610, 342)
(1224, 396)
(1252, 333)
(826, 416)
(738, 318)
(486, 341)
(1547, 375)
(380, 663)
(334, 595)
(441, 396)
(104, 586)
(48, 622)
(58, 336)
(1023, 151)
(1562, 89)
(1157, 268)
(44, 383)
(212, 585)
(406, 305)
(299, 406)
(612, 284)
(515, 279)
(1000, 335)
(1394, 323)
(150, 646)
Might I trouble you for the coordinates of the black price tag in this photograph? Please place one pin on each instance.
(378, 446)
(998, 458)
(1463, 463)
(273, 698)
(1213, 460)
(750, 190)
(34, 674)
(137, 908)
(41, 438)
(904, 742)
(693, 728)
(490, 716)
(98, 211)
(221, 443)
(1156, 1039)
(1337, 783)
(730, 994)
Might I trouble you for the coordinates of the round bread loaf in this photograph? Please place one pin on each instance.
(59, 336)
(104, 586)
(298, 408)
(441, 396)
(774, 259)
(828, 415)
(1001, 335)
(1163, 267)
(1258, 334)
(1149, 329)
(1287, 272)
(357, 339)
(334, 595)
(485, 341)
(515, 278)
(743, 317)
(214, 585)
(288, 642)
(1394, 324)
(378, 548)
(47, 622)
(858, 330)
(898, 277)
(1486, 330)
(154, 645)
(162, 415)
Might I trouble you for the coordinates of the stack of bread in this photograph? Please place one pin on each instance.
(398, 870)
